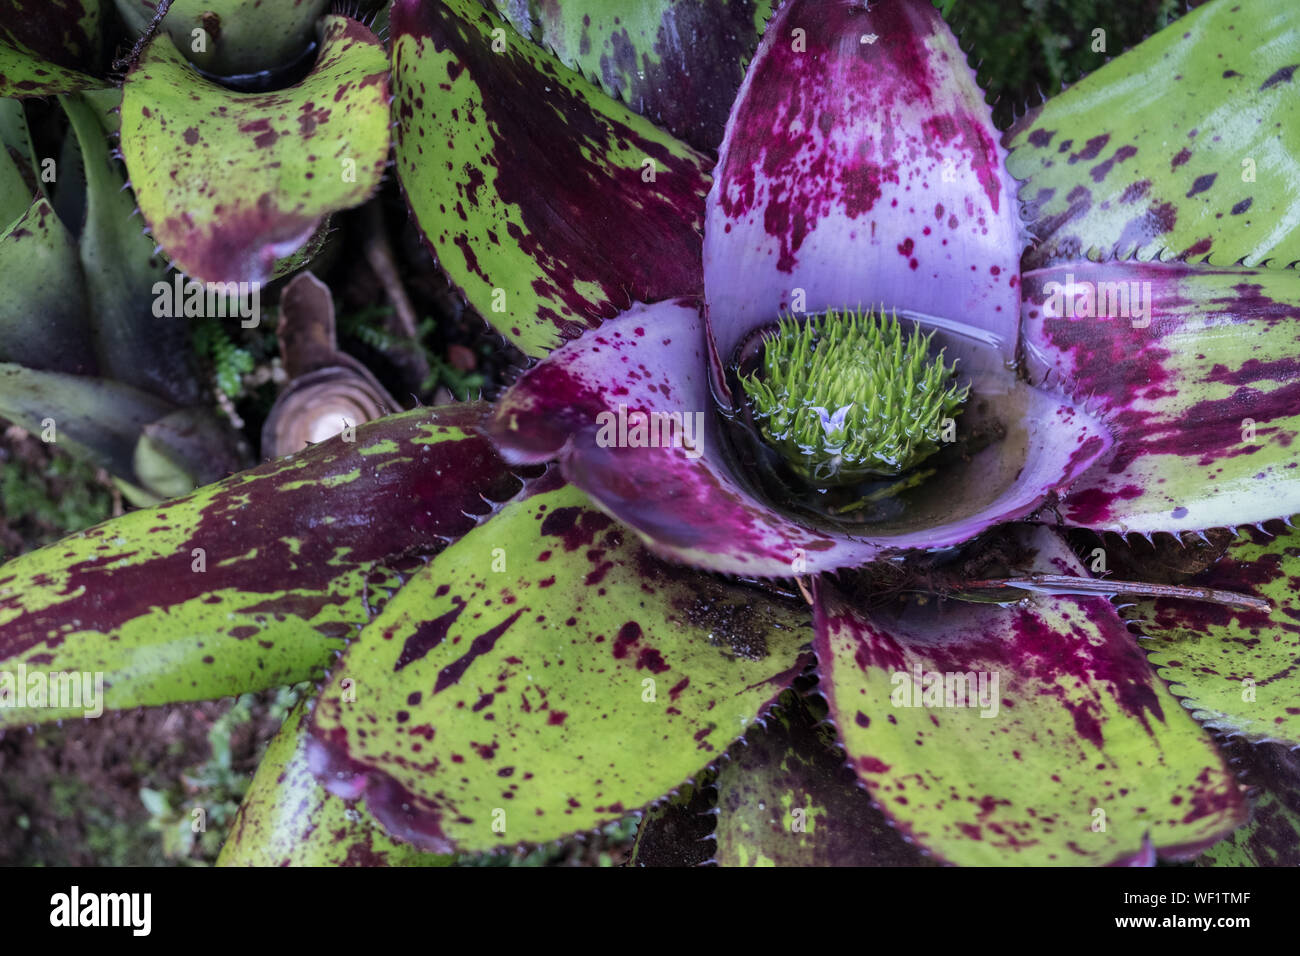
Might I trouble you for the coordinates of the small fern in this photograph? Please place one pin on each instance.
(230, 363)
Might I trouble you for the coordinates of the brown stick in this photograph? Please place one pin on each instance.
(1064, 584)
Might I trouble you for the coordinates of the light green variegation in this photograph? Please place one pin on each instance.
(642, 51)
(288, 819)
(23, 72)
(549, 204)
(1188, 145)
(1202, 392)
(175, 602)
(545, 675)
(232, 182)
(230, 37)
(1077, 755)
(785, 798)
(45, 45)
(1237, 671)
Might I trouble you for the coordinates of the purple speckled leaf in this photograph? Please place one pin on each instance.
(288, 819)
(45, 46)
(861, 166)
(255, 581)
(676, 62)
(688, 505)
(230, 182)
(1032, 733)
(1272, 838)
(786, 798)
(549, 204)
(1196, 372)
(545, 675)
(1236, 669)
(1182, 147)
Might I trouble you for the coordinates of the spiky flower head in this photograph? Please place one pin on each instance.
(846, 396)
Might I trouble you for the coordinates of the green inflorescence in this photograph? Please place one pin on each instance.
(848, 396)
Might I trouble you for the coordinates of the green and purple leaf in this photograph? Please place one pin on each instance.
(44, 47)
(549, 204)
(1201, 389)
(1272, 837)
(1183, 147)
(288, 819)
(545, 675)
(43, 323)
(232, 182)
(690, 506)
(678, 63)
(861, 166)
(786, 798)
(1070, 752)
(253, 582)
(1237, 670)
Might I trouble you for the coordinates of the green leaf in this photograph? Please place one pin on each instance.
(676, 62)
(545, 675)
(44, 46)
(288, 819)
(256, 581)
(785, 798)
(14, 134)
(1272, 837)
(238, 36)
(1033, 734)
(134, 346)
(43, 313)
(16, 194)
(231, 182)
(97, 418)
(184, 450)
(1236, 670)
(551, 205)
(1184, 145)
(1201, 390)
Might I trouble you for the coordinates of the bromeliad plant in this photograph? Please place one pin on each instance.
(549, 631)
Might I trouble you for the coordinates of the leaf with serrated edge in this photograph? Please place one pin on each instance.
(1186, 144)
(1272, 837)
(786, 798)
(677, 62)
(293, 553)
(1201, 391)
(288, 819)
(230, 182)
(581, 680)
(551, 205)
(1237, 670)
(120, 269)
(1077, 723)
(679, 830)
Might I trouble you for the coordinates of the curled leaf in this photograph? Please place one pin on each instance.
(231, 182)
